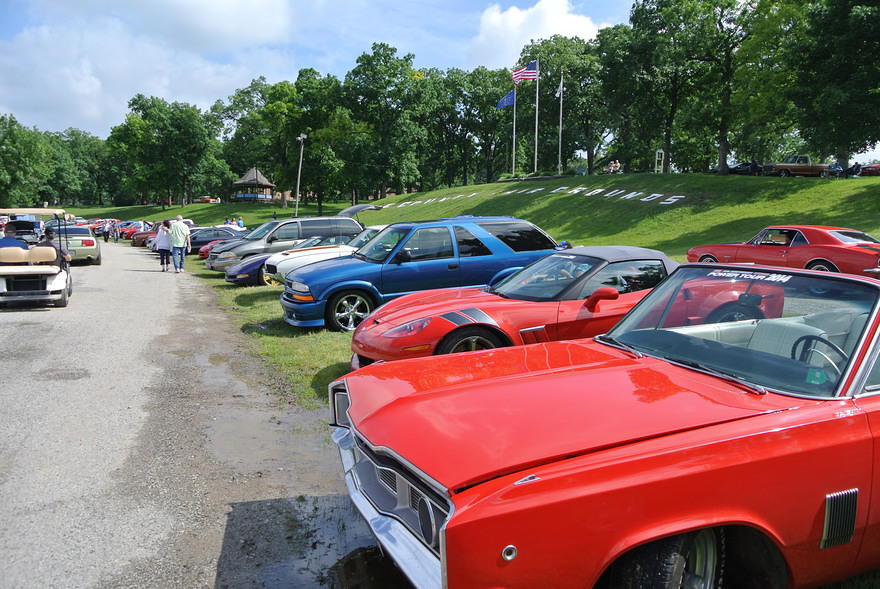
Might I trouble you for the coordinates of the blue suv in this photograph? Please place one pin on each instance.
(408, 257)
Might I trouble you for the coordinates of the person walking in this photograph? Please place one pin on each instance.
(180, 243)
(163, 244)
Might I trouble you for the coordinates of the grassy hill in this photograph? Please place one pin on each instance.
(668, 212)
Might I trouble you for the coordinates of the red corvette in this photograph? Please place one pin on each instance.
(573, 293)
(680, 449)
(831, 249)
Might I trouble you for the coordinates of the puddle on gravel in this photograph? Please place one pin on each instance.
(54, 374)
(258, 435)
(305, 542)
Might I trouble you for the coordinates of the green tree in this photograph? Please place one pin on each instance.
(26, 163)
(837, 79)
(379, 91)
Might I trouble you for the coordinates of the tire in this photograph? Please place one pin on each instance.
(469, 339)
(267, 280)
(65, 295)
(784, 173)
(822, 266)
(347, 309)
(97, 261)
(708, 259)
(694, 560)
(734, 312)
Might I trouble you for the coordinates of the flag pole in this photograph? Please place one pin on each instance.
(513, 145)
(559, 156)
(537, 79)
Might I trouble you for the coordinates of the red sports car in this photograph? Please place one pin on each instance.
(871, 170)
(135, 227)
(573, 293)
(677, 450)
(832, 249)
(205, 250)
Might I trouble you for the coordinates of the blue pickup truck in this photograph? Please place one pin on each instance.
(409, 257)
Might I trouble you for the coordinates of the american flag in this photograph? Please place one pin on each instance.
(529, 72)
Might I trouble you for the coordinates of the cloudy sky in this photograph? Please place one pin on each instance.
(76, 63)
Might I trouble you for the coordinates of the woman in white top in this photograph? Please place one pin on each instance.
(163, 244)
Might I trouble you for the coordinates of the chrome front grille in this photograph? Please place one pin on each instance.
(395, 491)
(388, 477)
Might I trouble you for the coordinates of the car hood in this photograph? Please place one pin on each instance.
(228, 244)
(324, 251)
(437, 302)
(507, 410)
(249, 264)
(326, 272)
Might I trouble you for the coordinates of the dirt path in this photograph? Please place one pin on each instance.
(155, 454)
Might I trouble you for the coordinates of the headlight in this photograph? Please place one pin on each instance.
(298, 286)
(339, 402)
(226, 255)
(411, 328)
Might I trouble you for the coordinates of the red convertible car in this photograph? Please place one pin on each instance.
(831, 249)
(573, 293)
(871, 170)
(680, 449)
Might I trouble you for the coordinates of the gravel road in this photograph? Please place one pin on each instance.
(141, 446)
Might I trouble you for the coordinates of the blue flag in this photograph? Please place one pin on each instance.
(506, 101)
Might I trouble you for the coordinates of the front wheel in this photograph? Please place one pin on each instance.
(708, 259)
(784, 173)
(692, 561)
(347, 309)
(469, 339)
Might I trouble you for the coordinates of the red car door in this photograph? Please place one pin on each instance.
(632, 279)
(771, 247)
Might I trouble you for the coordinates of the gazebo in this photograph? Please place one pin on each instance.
(252, 186)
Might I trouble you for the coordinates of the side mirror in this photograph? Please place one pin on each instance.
(606, 293)
(271, 238)
(401, 257)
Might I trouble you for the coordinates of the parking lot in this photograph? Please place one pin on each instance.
(142, 446)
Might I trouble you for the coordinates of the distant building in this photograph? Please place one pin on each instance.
(253, 186)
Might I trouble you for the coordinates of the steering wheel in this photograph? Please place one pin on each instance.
(807, 339)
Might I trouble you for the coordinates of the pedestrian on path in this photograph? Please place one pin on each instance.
(180, 243)
(163, 244)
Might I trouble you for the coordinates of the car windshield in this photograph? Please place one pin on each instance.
(854, 237)
(262, 230)
(363, 237)
(378, 248)
(546, 278)
(775, 330)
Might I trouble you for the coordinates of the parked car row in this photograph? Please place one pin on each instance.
(609, 411)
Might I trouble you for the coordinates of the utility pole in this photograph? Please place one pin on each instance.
(302, 139)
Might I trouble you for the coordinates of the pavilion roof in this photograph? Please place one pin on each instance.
(253, 177)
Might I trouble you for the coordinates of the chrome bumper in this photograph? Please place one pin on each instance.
(418, 563)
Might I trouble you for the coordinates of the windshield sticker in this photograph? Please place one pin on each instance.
(737, 274)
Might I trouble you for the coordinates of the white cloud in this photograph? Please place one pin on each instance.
(202, 25)
(68, 75)
(503, 33)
